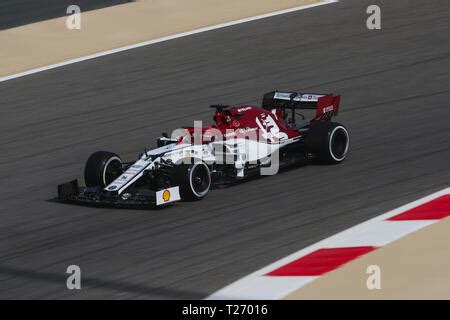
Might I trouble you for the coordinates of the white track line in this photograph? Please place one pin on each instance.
(175, 36)
(374, 232)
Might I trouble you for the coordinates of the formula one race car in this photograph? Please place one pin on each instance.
(245, 141)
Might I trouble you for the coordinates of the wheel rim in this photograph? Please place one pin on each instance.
(113, 169)
(339, 143)
(200, 179)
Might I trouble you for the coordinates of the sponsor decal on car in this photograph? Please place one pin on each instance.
(244, 109)
(168, 195)
(328, 109)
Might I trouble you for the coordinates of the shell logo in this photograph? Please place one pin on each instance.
(166, 195)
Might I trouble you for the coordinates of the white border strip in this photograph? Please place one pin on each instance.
(167, 38)
(258, 286)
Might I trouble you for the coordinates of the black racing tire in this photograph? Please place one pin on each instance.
(329, 141)
(194, 180)
(102, 168)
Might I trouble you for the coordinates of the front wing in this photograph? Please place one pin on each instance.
(70, 192)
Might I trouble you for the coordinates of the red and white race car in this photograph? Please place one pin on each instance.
(244, 141)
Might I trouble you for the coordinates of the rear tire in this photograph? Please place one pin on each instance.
(329, 141)
(102, 168)
(194, 180)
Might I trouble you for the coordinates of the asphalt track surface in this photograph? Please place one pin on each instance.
(14, 13)
(395, 86)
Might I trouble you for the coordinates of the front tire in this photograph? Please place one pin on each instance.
(102, 168)
(329, 141)
(194, 180)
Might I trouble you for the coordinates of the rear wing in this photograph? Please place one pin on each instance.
(326, 105)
